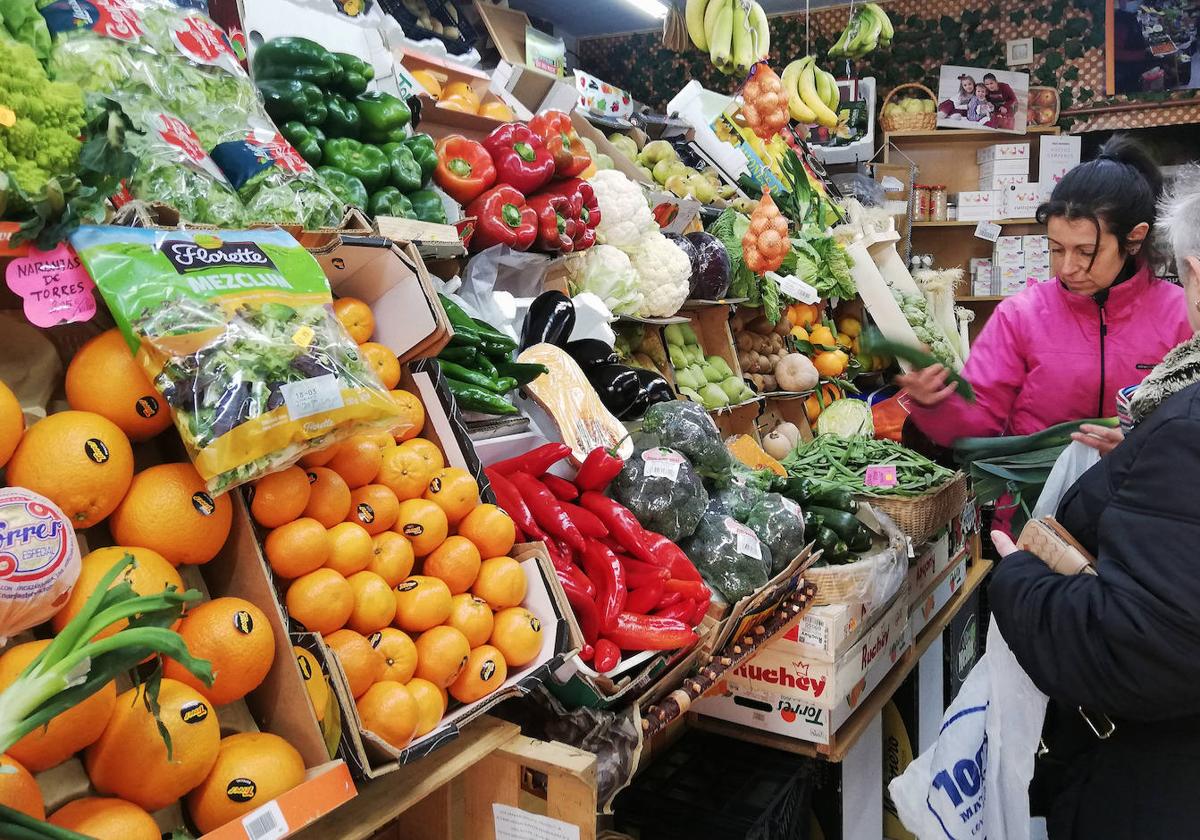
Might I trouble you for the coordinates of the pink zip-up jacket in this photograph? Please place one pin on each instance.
(1047, 356)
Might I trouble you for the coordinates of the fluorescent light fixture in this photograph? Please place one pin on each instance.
(651, 7)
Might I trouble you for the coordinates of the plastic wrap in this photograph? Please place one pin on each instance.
(729, 555)
(39, 559)
(663, 491)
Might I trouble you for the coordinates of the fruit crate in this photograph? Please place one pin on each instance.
(412, 14)
(711, 326)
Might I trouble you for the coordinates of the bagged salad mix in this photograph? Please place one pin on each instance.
(236, 330)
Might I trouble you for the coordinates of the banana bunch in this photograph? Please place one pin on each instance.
(869, 28)
(734, 33)
(812, 93)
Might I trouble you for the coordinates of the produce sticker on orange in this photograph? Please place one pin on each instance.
(39, 559)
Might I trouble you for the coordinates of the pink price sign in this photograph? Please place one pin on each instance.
(54, 287)
(882, 477)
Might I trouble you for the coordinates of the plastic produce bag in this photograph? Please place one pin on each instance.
(1074, 461)
(41, 560)
(663, 491)
(236, 330)
(974, 781)
(687, 427)
(729, 555)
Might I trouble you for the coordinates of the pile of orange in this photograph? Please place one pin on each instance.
(358, 319)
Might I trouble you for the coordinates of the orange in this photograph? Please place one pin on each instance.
(169, 509)
(423, 524)
(517, 634)
(362, 664)
(831, 363)
(12, 423)
(329, 499)
(428, 451)
(297, 548)
(391, 557)
(374, 507)
(412, 416)
(322, 601)
(497, 110)
(441, 655)
(485, 672)
(318, 457)
(406, 471)
(20, 790)
(815, 403)
(350, 548)
(431, 705)
(821, 334)
(280, 497)
(236, 637)
(456, 562)
(68, 732)
(374, 603)
(463, 91)
(356, 316)
(491, 529)
(421, 602)
(106, 818)
(473, 617)
(389, 711)
(454, 491)
(357, 460)
(501, 582)
(104, 377)
(130, 759)
(151, 574)
(314, 681)
(429, 81)
(78, 460)
(383, 361)
(398, 651)
(252, 768)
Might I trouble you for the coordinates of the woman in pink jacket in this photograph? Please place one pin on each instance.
(1061, 350)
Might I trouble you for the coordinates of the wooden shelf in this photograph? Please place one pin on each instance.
(847, 736)
(972, 134)
(979, 299)
(956, 223)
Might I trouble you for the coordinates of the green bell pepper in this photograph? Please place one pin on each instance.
(307, 140)
(406, 172)
(343, 119)
(383, 117)
(427, 206)
(355, 74)
(365, 162)
(293, 99)
(424, 152)
(298, 59)
(346, 187)
(389, 201)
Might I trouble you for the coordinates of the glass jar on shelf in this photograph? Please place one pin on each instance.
(938, 205)
(921, 203)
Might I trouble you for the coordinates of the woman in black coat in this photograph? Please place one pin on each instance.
(1118, 653)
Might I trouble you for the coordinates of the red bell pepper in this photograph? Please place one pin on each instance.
(585, 209)
(671, 556)
(607, 656)
(622, 525)
(562, 140)
(667, 599)
(680, 610)
(646, 632)
(586, 613)
(502, 218)
(598, 469)
(521, 159)
(645, 598)
(534, 462)
(464, 168)
(547, 512)
(605, 570)
(509, 498)
(562, 489)
(585, 520)
(555, 227)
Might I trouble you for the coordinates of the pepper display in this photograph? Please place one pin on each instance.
(342, 118)
(427, 206)
(356, 74)
(502, 218)
(521, 159)
(548, 513)
(307, 140)
(424, 152)
(464, 168)
(561, 139)
(296, 58)
(404, 172)
(384, 117)
(389, 201)
(555, 229)
(365, 162)
(346, 187)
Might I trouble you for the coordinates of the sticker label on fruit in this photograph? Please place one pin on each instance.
(39, 559)
(662, 463)
(747, 540)
(312, 396)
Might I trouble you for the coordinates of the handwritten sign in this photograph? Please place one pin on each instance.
(881, 476)
(54, 287)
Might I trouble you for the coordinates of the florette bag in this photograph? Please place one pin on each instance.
(236, 330)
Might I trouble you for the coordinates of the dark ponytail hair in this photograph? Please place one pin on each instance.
(1120, 188)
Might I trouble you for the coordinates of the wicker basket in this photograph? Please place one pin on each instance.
(874, 578)
(920, 517)
(908, 122)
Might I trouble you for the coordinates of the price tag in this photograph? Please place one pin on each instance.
(312, 396)
(881, 476)
(796, 288)
(662, 463)
(987, 230)
(54, 286)
(747, 540)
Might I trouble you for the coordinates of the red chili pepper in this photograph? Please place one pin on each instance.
(554, 222)
(585, 209)
(586, 613)
(586, 653)
(562, 141)
(535, 462)
(598, 469)
(562, 489)
(638, 567)
(547, 512)
(639, 579)
(680, 611)
(667, 599)
(509, 498)
(671, 556)
(622, 525)
(691, 589)
(606, 571)
(646, 632)
(607, 656)
(464, 168)
(522, 160)
(700, 613)
(645, 598)
(502, 218)
(589, 524)
(577, 578)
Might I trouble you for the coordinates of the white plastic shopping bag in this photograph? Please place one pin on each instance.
(1074, 461)
(973, 783)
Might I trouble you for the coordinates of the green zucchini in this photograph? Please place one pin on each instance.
(876, 345)
(846, 526)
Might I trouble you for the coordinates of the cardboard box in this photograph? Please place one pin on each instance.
(978, 205)
(1057, 155)
(1013, 281)
(827, 631)
(936, 599)
(1021, 202)
(1002, 151)
(983, 283)
(931, 562)
(535, 89)
(1007, 245)
(1004, 166)
(1036, 242)
(1001, 182)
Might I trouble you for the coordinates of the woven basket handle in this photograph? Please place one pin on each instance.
(899, 88)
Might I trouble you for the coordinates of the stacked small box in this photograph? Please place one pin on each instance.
(1008, 259)
(978, 206)
(983, 277)
(1003, 165)
(1056, 157)
(1037, 257)
(1021, 201)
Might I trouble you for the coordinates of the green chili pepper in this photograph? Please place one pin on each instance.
(474, 398)
(307, 140)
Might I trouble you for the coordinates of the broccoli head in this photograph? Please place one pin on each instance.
(685, 426)
(664, 500)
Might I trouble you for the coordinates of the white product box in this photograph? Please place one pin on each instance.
(933, 560)
(932, 603)
(1005, 265)
(978, 205)
(978, 264)
(1009, 245)
(1057, 156)
(827, 631)
(1021, 202)
(1041, 274)
(1007, 166)
(983, 283)
(1037, 259)
(1036, 242)
(1003, 151)
(1012, 280)
(1002, 182)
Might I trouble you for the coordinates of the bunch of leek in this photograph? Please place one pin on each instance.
(76, 665)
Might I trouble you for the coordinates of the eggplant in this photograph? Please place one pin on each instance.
(710, 278)
(550, 320)
(617, 385)
(591, 352)
(693, 256)
(652, 389)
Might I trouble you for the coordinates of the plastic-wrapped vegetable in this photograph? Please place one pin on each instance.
(729, 555)
(687, 427)
(779, 523)
(236, 330)
(663, 491)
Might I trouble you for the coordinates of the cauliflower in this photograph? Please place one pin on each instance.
(624, 214)
(665, 272)
(606, 272)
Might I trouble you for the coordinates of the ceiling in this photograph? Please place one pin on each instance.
(589, 18)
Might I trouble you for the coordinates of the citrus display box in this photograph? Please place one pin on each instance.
(825, 632)
(931, 562)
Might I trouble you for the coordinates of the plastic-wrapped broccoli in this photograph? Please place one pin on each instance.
(736, 500)
(729, 555)
(780, 524)
(686, 427)
(663, 491)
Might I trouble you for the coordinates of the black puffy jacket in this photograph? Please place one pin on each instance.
(1125, 643)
